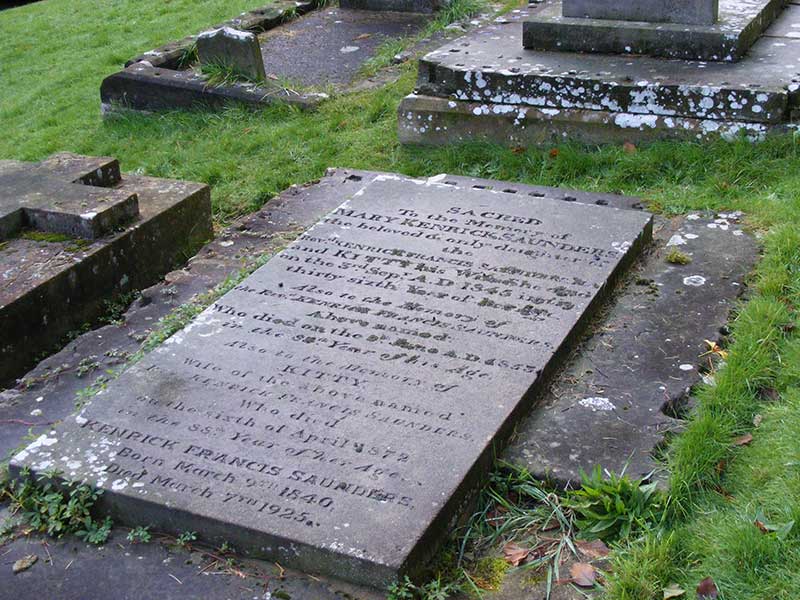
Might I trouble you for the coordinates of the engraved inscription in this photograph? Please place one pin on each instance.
(349, 385)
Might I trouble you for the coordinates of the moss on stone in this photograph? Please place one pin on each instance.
(489, 573)
(676, 257)
(43, 236)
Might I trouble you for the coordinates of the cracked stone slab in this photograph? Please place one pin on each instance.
(727, 38)
(485, 85)
(50, 288)
(629, 384)
(462, 298)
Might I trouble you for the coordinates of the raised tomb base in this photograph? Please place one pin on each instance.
(487, 85)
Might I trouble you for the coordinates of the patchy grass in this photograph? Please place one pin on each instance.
(53, 56)
(219, 75)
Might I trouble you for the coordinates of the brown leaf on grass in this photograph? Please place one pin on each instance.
(583, 574)
(743, 440)
(673, 591)
(24, 563)
(707, 589)
(723, 492)
(518, 149)
(593, 549)
(553, 152)
(629, 148)
(515, 554)
(761, 526)
(769, 394)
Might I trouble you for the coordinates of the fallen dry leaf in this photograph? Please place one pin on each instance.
(715, 348)
(518, 149)
(743, 440)
(583, 574)
(762, 527)
(593, 549)
(515, 554)
(363, 36)
(25, 563)
(707, 589)
(553, 152)
(673, 591)
(629, 148)
(769, 394)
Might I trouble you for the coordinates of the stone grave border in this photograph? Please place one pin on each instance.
(156, 80)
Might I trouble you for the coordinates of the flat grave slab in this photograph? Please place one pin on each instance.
(307, 53)
(75, 235)
(740, 24)
(358, 383)
(485, 84)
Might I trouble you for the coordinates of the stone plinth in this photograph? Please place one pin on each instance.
(53, 280)
(727, 39)
(484, 85)
(333, 410)
(690, 12)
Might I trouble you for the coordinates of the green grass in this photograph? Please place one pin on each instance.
(54, 54)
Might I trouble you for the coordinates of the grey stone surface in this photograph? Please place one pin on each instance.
(485, 85)
(69, 569)
(628, 384)
(52, 198)
(234, 49)
(788, 25)
(51, 288)
(740, 24)
(330, 46)
(357, 383)
(413, 6)
(693, 12)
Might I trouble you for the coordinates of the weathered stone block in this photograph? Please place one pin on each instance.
(55, 198)
(483, 85)
(740, 24)
(233, 49)
(333, 410)
(51, 288)
(692, 12)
